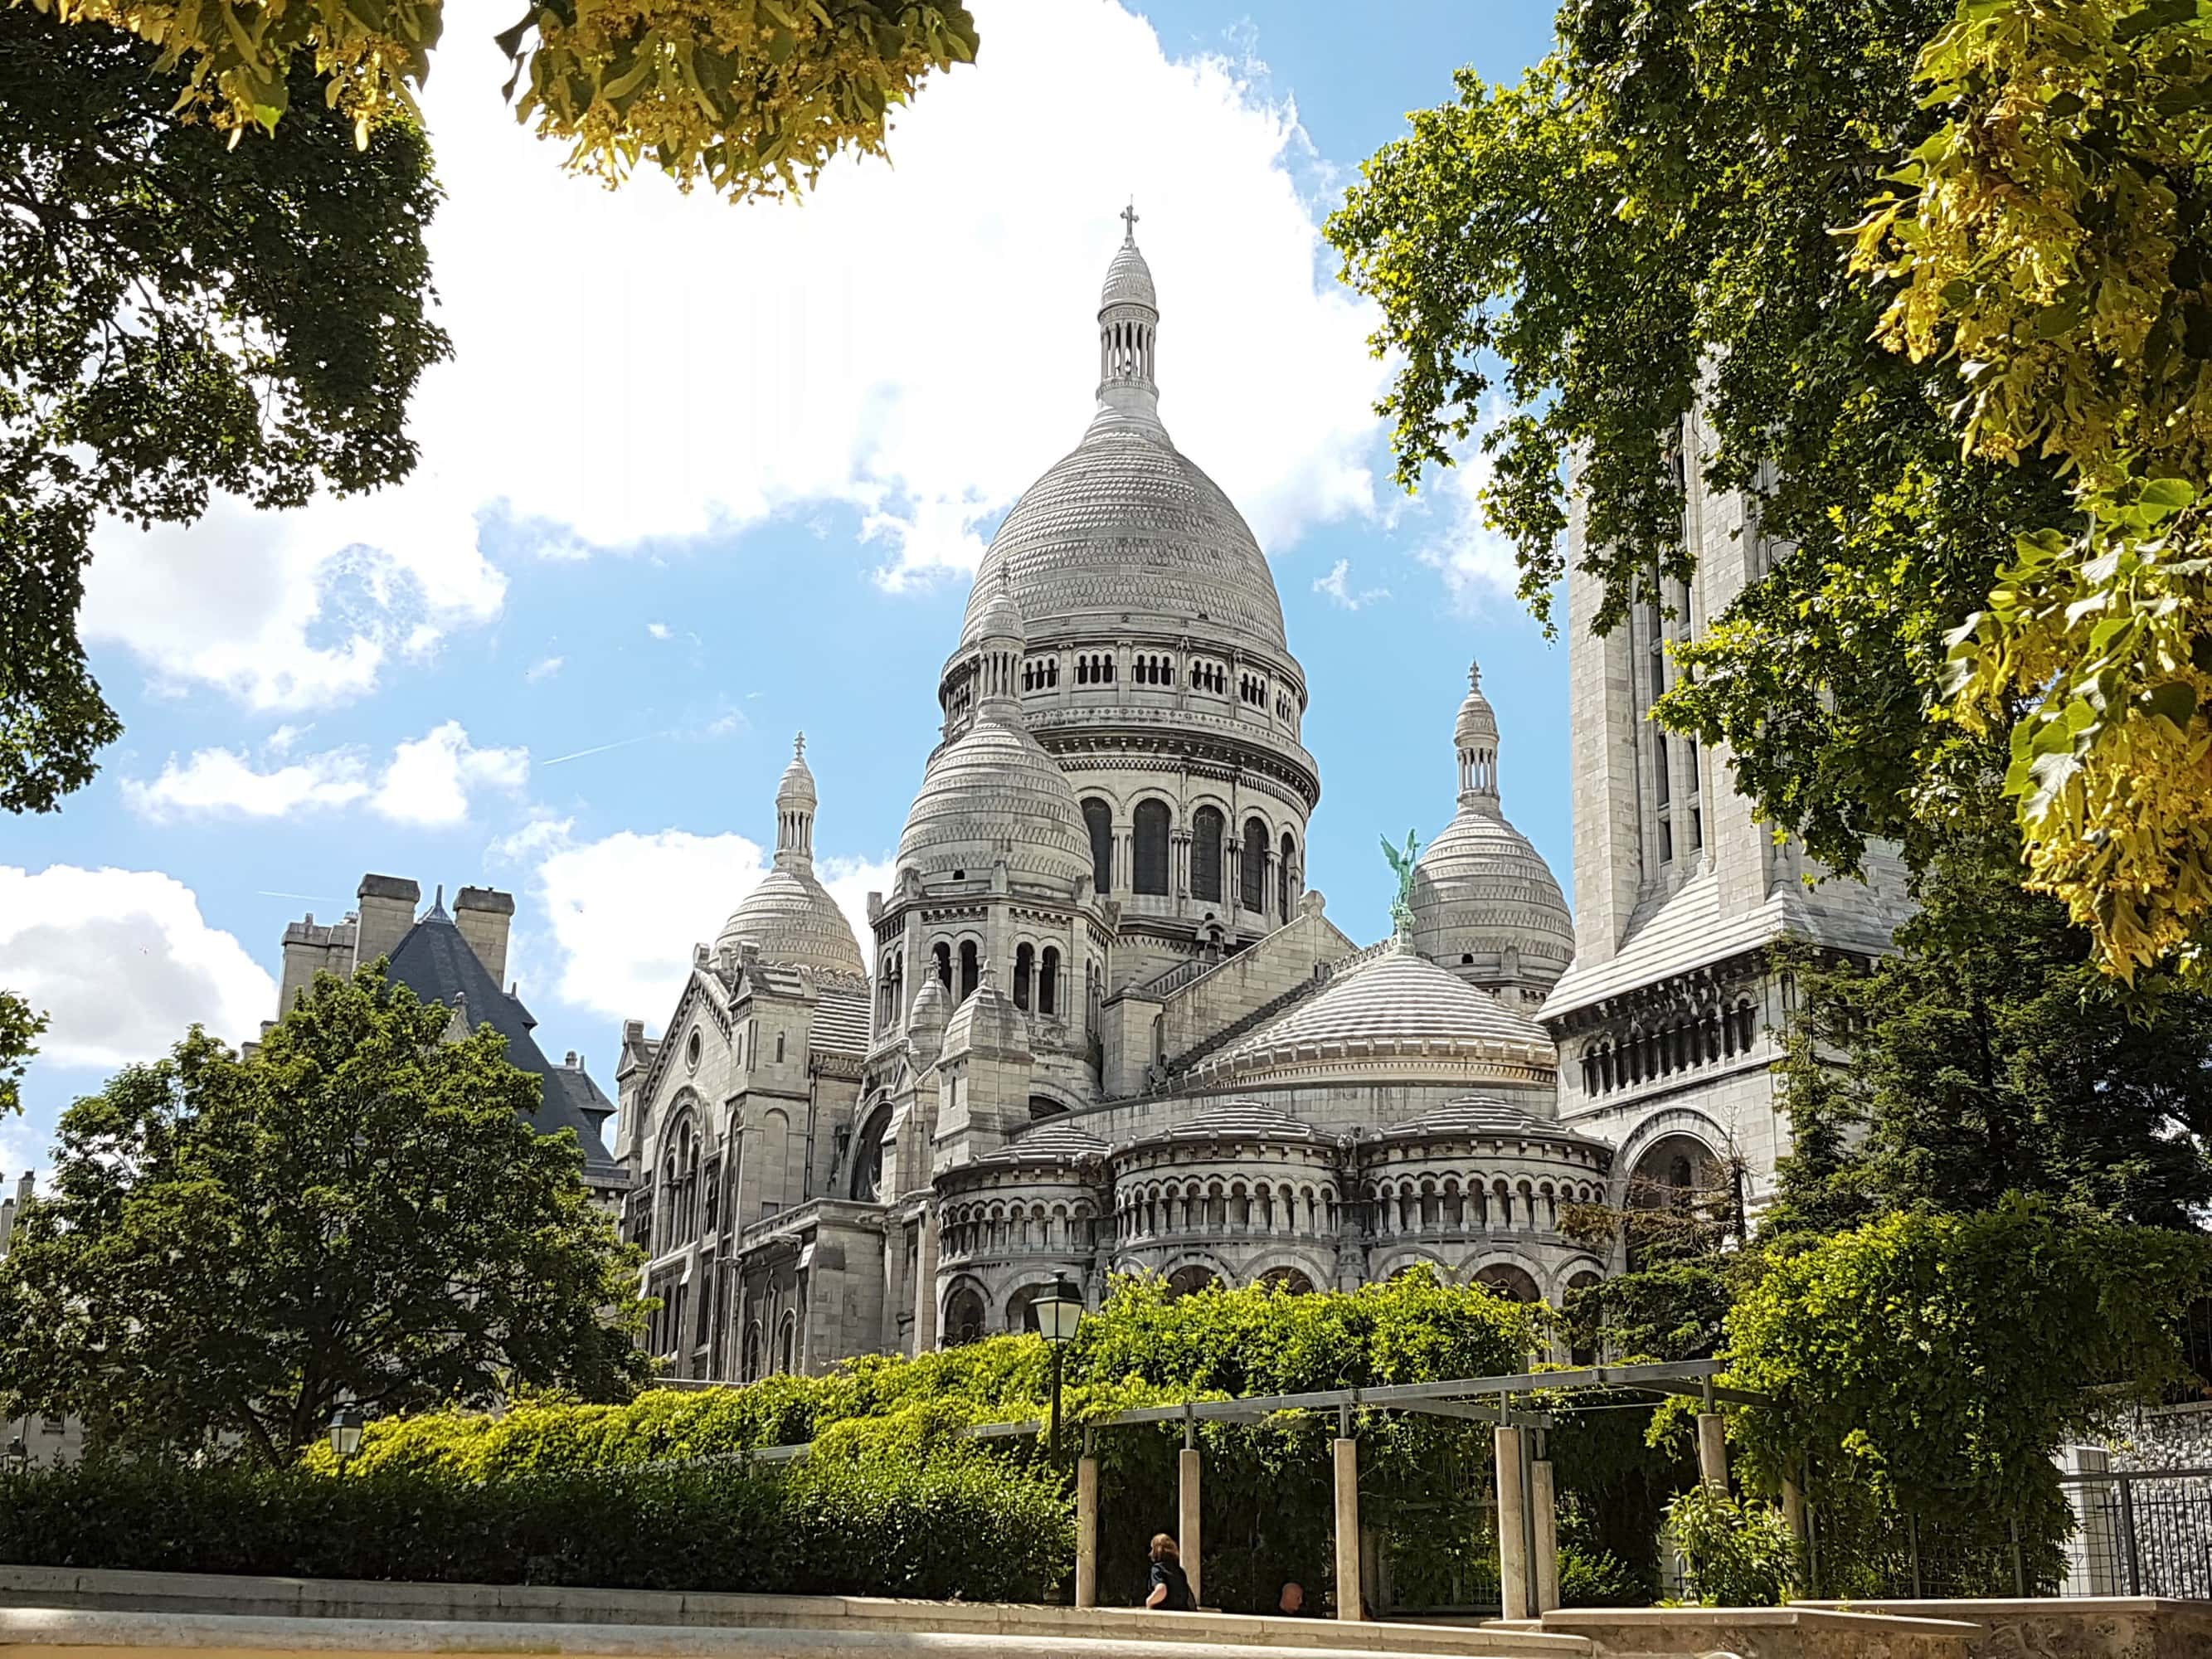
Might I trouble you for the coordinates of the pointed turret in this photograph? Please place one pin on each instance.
(1128, 332)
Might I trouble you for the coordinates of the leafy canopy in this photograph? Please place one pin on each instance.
(355, 1210)
(180, 318)
(753, 97)
(19, 1033)
(2051, 238)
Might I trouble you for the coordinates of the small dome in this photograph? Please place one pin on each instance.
(1000, 618)
(791, 918)
(1241, 1120)
(1480, 1118)
(1128, 280)
(1052, 1143)
(796, 791)
(1477, 720)
(1401, 1001)
(1481, 889)
(994, 794)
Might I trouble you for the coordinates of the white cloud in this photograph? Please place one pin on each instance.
(427, 782)
(123, 962)
(544, 669)
(624, 911)
(430, 779)
(1477, 563)
(914, 344)
(1337, 585)
(658, 630)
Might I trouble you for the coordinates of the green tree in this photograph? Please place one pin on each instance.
(18, 1034)
(355, 1210)
(1636, 247)
(753, 96)
(1940, 1360)
(1990, 1054)
(180, 317)
(2054, 236)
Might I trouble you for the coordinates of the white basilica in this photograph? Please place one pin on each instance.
(1109, 1027)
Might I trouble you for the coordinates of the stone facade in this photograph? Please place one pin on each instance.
(1668, 1021)
(1109, 1028)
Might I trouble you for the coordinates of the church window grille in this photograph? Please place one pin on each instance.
(943, 954)
(1286, 862)
(1024, 967)
(1662, 779)
(1098, 819)
(1048, 982)
(1151, 873)
(969, 969)
(1666, 842)
(779, 1048)
(1206, 829)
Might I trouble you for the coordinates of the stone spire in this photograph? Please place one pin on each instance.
(1001, 640)
(795, 801)
(1475, 737)
(1128, 328)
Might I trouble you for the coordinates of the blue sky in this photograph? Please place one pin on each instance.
(702, 475)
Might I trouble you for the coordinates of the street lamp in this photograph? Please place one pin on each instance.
(345, 1433)
(1059, 1311)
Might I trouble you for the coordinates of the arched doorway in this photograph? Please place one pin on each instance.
(1191, 1278)
(1291, 1281)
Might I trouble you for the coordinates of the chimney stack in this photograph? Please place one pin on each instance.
(388, 911)
(484, 917)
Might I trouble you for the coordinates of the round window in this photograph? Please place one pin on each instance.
(691, 1052)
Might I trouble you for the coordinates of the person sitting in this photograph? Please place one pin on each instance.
(1170, 1590)
(1292, 1603)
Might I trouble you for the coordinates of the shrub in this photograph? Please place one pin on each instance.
(1599, 1578)
(1739, 1553)
(954, 1524)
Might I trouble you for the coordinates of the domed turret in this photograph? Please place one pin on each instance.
(1485, 905)
(992, 795)
(790, 917)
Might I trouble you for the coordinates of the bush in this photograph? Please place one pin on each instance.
(955, 1524)
(1599, 1578)
(1738, 1553)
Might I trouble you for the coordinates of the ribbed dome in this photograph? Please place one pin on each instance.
(1482, 889)
(1050, 1143)
(994, 793)
(791, 918)
(1481, 1117)
(1241, 1120)
(1128, 280)
(1485, 903)
(1395, 1003)
(1127, 533)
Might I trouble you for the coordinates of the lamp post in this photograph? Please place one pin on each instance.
(1059, 1311)
(345, 1433)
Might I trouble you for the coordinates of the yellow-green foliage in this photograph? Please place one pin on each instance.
(1141, 1349)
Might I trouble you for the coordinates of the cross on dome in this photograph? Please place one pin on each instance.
(1474, 675)
(1129, 224)
(798, 746)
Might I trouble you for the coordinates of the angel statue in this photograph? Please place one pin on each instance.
(1401, 907)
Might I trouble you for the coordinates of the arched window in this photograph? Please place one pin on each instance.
(1253, 878)
(1098, 819)
(1024, 967)
(1206, 829)
(1048, 982)
(963, 1318)
(868, 1156)
(750, 1366)
(1284, 863)
(1503, 1278)
(969, 969)
(1150, 874)
(787, 1355)
(943, 952)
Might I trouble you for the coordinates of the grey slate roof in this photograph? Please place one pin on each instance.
(435, 962)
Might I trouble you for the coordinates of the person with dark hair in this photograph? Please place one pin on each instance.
(1170, 1590)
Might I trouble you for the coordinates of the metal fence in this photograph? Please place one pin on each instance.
(2136, 1533)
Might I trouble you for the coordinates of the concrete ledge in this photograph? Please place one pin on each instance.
(94, 1635)
(1790, 1632)
(304, 1603)
(2069, 1627)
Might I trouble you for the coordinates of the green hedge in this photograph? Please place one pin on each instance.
(955, 1524)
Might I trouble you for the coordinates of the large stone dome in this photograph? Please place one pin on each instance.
(1485, 905)
(1125, 533)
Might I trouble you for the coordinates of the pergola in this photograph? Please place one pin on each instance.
(1528, 1543)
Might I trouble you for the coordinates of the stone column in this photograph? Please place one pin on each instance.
(1712, 1451)
(1541, 1500)
(1187, 1520)
(1086, 1531)
(924, 1284)
(1512, 1526)
(1346, 1451)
